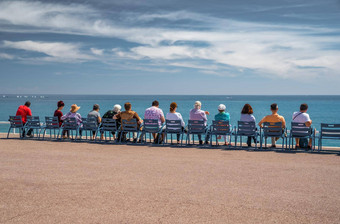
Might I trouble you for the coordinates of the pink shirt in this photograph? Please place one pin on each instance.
(198, 114)
(154, 113)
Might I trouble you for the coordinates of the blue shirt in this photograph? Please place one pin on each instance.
(222, 117)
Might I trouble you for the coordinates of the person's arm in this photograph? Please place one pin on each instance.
(99, 119)
(162, 117)
(116, 116)
(29, 112)
(228, 117)
(283, 122)
(204, 116)
(261, 122)
(139, 120)
(65, 116)
(181, 118)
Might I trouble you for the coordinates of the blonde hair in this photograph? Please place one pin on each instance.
(198, 104)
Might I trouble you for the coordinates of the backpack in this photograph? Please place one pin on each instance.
(109, 114)
(303, 143)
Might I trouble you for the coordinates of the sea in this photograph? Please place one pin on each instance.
(322, 108)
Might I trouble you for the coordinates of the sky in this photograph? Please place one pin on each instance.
(194, 47)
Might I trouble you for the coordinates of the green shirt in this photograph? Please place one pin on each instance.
(223, 116)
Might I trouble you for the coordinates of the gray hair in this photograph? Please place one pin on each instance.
(198, 104)
(117, 108)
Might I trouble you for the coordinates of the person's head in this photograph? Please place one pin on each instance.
(197, 105)
(155, 103)
(95, 107)
(173, 107)
(127, 106)
(247, 109)
(274, 107)
(303, 107)
(60, 104)
(74, 108)
(27, 103)
(117, 108)
(221, 108)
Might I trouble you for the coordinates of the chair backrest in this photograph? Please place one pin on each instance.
(130, 125)
(109, 124)
(330, 131)
(196, 126)
(15, 121)
(52, 122)
(33, 122)
(246, 128)
(272, 129)
(90, 124)
(70, 124)
(173, 126)
(150, 125)
(300, 130)
(220, 127)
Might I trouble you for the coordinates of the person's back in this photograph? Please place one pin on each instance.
(24, 111)
(222, 116)
(95, 113)
(197, 114)
(302, 117)
(154, 112)
(73, 114)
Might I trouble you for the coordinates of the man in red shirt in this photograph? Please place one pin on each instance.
(25, 111)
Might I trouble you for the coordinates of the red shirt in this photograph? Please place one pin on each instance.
(58, 114)
(24, 111)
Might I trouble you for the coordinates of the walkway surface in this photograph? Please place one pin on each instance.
(64, 182)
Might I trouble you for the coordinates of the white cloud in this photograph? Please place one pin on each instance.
(6, 56)
(97, 51)
(287, 51)
(56, 51)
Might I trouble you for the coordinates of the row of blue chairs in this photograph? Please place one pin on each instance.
(109, 128)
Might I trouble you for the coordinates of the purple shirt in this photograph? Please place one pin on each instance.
(75, 115)
(198, 114)
(154, 113)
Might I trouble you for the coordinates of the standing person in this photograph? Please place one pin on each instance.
(173, 115)
(222, 116)
(201, 115)
(24, 111)
(247, 115)
(73, 113)
(302, 117)
(58, 113)
(95, 114)
(274, 117)
(154, 112)
(128, 114)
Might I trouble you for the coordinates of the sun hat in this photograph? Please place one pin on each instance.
(221, 107)
(74, 108)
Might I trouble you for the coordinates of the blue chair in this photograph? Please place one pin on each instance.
(300, 130)
(128, 127)
(272, 130)
(246, 129)
(52, 124)
(220, 128)
(16, 123)
(151, 126)
(195, 127)
(173, 127)
(328, 131)
(70, 124)
(89, 125)
(33, 124)
(109, 126)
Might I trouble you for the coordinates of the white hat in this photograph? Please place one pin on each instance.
(221, 107)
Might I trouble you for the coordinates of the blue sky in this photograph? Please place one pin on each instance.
(170, 47)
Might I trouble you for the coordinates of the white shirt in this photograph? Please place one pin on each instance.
(300, 117)
(247, 117)
(175, 116)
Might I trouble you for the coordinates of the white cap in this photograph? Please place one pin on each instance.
(221, 107)
(117, 108)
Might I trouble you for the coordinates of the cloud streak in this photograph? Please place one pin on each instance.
(285, 51)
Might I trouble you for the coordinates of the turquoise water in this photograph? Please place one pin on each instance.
(322, 109)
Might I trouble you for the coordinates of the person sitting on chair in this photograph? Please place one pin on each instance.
(222, 116)
(111, 113)
(95, 114)
(25, 111)
(58, 113)
(173, 115)
(128, 114)
(247, 115)
(154, 112)
(273, 118)
(73, 113)
(302, 117)
(197, 114)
